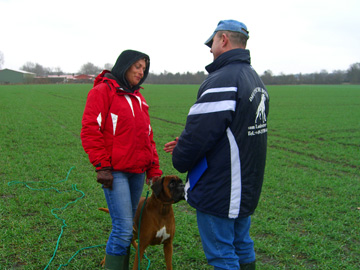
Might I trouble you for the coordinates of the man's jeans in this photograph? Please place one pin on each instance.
(122, 202)
(226, 242)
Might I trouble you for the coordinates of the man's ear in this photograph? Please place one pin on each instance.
(158, 186)
(224, 40)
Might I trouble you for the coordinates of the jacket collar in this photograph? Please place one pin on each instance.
(118, 87)
(106, 75)
(235, 55)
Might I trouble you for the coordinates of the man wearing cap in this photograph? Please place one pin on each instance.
(223, 149)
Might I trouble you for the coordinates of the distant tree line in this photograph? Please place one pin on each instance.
(41, 71)
(352, 75)
(177, 78)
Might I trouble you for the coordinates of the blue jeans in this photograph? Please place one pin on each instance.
(226, 242)
(122, 202)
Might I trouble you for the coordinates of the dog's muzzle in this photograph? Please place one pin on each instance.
(179, 194)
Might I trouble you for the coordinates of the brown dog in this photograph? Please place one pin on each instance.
(157, 218)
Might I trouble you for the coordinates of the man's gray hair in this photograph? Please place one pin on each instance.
(236, 38)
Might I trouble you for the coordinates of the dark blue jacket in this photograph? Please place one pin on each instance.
(228, 126)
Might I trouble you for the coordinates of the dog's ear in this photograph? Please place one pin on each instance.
(158, 186)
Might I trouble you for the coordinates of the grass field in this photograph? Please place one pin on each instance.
(308, 215)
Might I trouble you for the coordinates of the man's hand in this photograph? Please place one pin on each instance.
(105, 177)
(169, 147)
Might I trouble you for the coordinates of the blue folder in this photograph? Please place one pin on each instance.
(196, 172)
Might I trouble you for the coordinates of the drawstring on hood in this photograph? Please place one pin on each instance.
(124, 62)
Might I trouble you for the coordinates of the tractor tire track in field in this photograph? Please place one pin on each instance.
(348, 131)
(76, 135)
(167, 121)
(332, 161)
(62, 97)
(312, 156)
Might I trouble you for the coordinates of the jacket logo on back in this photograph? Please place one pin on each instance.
(260, 123)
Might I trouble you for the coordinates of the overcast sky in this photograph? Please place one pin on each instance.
(286, 36)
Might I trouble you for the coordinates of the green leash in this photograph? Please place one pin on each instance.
(74, 188)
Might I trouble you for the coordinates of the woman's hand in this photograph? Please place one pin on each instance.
(105, 177)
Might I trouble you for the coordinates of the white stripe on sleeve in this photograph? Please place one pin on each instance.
(211, 107)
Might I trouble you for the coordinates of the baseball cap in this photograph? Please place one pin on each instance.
(228, 25)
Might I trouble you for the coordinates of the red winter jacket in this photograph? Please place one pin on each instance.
(116, 130)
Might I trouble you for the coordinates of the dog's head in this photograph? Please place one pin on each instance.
(169, 189)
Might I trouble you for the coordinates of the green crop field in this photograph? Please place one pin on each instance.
(308, 215)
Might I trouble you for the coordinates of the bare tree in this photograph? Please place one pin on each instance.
(108, 66)
(2, 60)
(89, 69)
(38, 69)
(354, 73)
(267, 77)
(57, 71)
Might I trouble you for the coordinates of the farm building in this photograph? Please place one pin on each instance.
(84, 78)
(11, 76)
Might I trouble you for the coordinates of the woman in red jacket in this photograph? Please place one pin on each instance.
(117, 135)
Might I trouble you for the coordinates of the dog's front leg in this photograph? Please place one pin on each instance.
(168, 252)
(102, 263)
(136, 261)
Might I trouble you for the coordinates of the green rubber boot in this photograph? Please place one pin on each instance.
(126, 260)
(116, 262)
(248, 266)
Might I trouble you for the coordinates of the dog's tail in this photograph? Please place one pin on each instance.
(104, 209)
